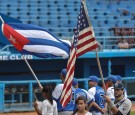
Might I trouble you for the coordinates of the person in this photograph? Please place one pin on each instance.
(123, 44)
(122, 105)
(111, 80)
(76, 92)
(57, 95)
(97, 92)
(119, 80)
(48, 106)
(81, 107)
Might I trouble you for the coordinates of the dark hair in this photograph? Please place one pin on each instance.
(76, 102)
(80, 98)
(48, 90)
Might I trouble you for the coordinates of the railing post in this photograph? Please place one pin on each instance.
(13, 97)
(2, 91)
(30, 95)
(109, 67)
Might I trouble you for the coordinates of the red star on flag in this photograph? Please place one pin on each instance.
(14, 37)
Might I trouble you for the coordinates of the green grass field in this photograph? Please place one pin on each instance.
(132, 113)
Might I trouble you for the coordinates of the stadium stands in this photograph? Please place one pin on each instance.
(56, 15)
(113, 21)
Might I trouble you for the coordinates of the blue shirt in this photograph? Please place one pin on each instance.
(75, 94)
(97, 93)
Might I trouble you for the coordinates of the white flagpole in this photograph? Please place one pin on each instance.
(35, 97)
(97, 57)
(32, 71)
(1, 19)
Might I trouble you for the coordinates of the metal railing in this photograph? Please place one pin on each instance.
(106, 42)
(14, 100)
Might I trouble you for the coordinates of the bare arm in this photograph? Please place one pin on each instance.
(114, 109)
(37, 109)
(90, 105)
(96, 106)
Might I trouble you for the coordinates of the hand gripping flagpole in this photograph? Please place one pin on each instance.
(97, 57)
(28, 64)
(35, 97)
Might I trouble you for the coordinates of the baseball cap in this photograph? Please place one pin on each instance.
(63, 72)
(93, 78)
(112, 78)
(74, 82)
(118, 86)
(119, 78)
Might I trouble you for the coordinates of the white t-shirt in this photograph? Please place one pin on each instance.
(47, 108)
(70, 106)
(110, 93)
(88, 113)
(92, 91)
(57, 91)
(125, 93)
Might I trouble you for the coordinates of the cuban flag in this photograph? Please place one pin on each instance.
(35, 40)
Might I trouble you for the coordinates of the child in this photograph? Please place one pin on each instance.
(81, 107)
(48, 106)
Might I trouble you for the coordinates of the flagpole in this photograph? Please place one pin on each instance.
(97, 57)
(100, 70)
(1, 19)
(35, 97)
(32, 71)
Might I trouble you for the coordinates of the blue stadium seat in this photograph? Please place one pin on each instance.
(60, 14)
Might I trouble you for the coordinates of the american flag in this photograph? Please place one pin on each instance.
(84, 41)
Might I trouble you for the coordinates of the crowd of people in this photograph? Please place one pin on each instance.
(95, 101)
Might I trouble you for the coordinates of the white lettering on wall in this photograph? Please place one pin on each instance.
(15, 57)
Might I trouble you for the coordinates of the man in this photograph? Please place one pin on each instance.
(121, 105)
(111, 80)
(68, 110)
(119, 80)
(76, 92)
(57, 95)
(97, 92)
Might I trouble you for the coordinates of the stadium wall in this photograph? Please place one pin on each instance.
(47, 69)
